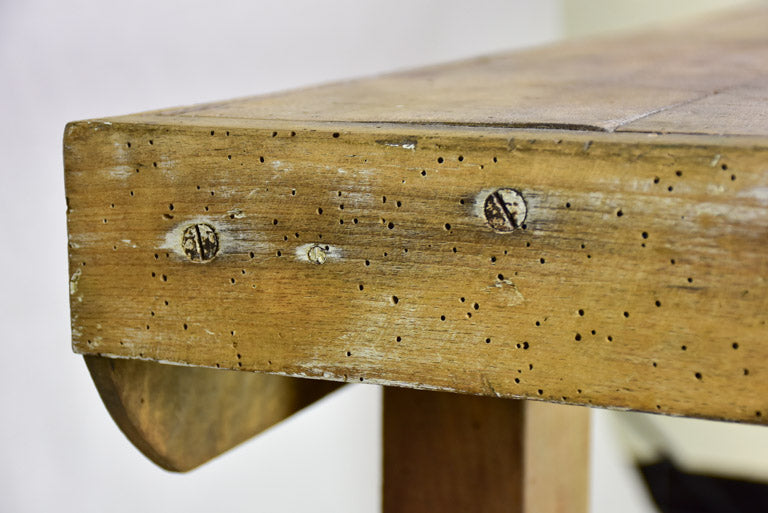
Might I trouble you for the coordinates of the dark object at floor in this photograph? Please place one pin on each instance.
(675, 491)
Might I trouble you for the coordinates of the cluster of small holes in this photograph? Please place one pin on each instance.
(667, 181)
(578, 336)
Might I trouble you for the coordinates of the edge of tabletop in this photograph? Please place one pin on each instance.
(426, 130)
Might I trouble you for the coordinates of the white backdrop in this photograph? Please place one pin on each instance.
(68, 60)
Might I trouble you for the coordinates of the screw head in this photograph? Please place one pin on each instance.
(200, 242)
(505, 210)
(316, 254)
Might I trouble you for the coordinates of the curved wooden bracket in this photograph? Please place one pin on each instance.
(181, 417)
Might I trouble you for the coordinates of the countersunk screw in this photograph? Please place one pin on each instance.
(505, 210)
(200, 242)
(316, 255)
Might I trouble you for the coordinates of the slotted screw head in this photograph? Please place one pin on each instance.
(505, 210)
(200, 242)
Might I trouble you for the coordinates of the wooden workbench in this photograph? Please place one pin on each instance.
(584, 223)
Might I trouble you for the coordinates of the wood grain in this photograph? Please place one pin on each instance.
(181, 417)
(454, 453)
(638, 281)
(556, 458)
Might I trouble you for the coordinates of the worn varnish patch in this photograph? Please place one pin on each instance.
(636, 281)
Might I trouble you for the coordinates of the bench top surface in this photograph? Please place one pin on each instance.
(707, 77)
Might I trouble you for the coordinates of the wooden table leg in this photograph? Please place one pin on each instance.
(449, 452)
